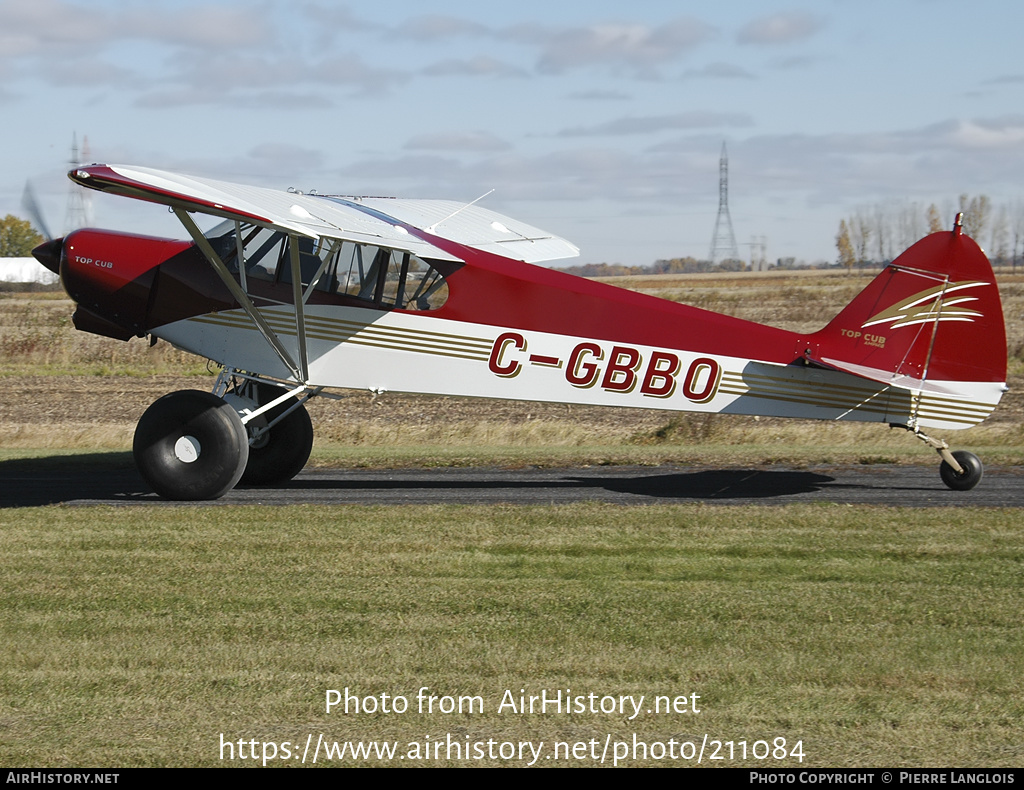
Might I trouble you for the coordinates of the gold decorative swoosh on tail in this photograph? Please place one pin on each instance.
(930, 306)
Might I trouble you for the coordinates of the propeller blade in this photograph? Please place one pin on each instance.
(31, 206)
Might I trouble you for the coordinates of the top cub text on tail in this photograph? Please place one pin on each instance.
(293, 294)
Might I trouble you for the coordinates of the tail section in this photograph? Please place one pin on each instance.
(931, 322)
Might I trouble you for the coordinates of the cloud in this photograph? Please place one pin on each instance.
(600, 95)
(776, 180)
(238, 99)
(202, 54)
(994, 133)
(291, 158)
(336, 18)
(579, 173)
(199, 26)
(457, 141)
(927, 163)
(797, 63)
(435, 27)
(252, 52)
(635, 47)
(808, 170)
(271, 164)
(34, 27)
(480, 66)
(238, 80)
(94, 45)
(88, 72)
(30, 26)
(418, 168)
(1005, 79)
(350, 70)
(658, 123)
(784, 28)
(719, 71)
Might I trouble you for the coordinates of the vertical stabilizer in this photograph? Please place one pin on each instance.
(931, 320)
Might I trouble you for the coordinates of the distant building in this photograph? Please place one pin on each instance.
(25, 270)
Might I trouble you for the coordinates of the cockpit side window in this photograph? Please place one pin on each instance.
(390, 279)
(377, 276)
(262, 248)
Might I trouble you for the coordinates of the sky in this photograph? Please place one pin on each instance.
(602, 122)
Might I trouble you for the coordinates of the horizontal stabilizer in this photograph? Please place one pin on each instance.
(882, 376)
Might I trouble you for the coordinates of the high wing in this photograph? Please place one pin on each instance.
(381, 221)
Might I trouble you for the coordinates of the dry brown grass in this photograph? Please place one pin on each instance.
(72, 390)
(38, 337)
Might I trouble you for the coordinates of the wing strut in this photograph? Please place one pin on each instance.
(240, 253)
(243, 298)
(300, 311)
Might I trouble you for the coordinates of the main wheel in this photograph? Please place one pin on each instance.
(190, 445)
(280, 453)
(966, 480)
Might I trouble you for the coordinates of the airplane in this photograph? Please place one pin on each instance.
(294, 294)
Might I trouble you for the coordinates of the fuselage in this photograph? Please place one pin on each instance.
(486, 326)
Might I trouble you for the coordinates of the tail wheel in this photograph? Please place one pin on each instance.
(280, 453)
(190, 445)
(966, 480)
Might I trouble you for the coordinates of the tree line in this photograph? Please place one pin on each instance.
(687, 265)
(874, 235)
(17, 238)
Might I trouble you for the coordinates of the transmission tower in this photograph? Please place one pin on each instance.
(758, 253)
(723, 241)
(79, 208)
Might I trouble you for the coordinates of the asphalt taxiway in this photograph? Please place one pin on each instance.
(36, 482)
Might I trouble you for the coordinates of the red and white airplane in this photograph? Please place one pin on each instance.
(295, 293)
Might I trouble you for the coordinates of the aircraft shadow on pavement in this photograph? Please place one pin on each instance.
(706, 484)
(111, 477)
(32, 482)
(718, 484)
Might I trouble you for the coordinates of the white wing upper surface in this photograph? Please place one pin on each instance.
(379, 221)
(477, 227)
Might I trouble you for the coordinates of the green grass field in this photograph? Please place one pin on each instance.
(874, 637)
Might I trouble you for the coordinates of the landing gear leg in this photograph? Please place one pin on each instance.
(280, 440)
(960, 470)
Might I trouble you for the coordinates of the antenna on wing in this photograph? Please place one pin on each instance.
(433, 227)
